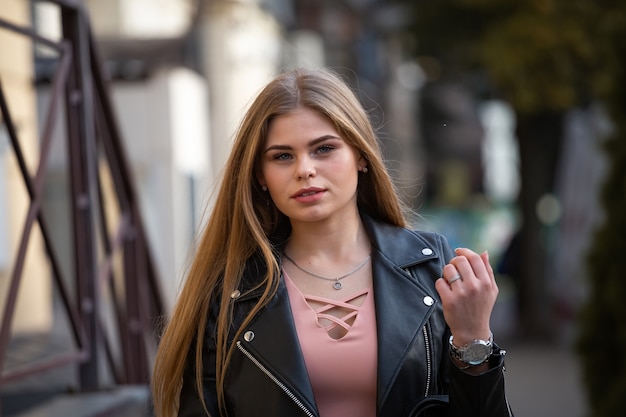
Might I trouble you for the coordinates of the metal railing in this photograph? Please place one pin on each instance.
(106, 252)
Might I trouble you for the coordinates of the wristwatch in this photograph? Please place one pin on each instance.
(474, 353)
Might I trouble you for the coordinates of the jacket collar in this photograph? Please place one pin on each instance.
(401, 246)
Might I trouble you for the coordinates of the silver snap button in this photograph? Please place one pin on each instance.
(428, 300)
(235, 294)
(427, 251)
(248, 336)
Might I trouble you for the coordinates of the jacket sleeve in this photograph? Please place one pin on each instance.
(479, 395)
(475, 395)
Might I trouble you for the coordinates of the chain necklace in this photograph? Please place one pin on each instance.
(337, 285)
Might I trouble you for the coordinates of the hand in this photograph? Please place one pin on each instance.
(468, 301)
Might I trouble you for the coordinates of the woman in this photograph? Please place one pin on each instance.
(308, 296)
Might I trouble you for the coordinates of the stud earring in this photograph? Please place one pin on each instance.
(364, 170)
(264, 187)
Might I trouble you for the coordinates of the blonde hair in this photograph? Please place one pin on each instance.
(242, 223)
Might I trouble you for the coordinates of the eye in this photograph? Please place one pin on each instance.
(325, 149)
(281, 157)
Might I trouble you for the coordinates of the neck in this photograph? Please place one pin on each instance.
(332, 239)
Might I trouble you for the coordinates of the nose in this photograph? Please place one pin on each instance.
(305, 169)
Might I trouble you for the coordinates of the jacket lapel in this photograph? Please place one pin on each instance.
(403, 303)
(402, 309)
(276, 346)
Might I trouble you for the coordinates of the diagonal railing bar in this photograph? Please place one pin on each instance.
(152, 306)
(34, 188)
(105, 129)
(120, 170)
(43, 366)
(106, 277)
(59, 47)
(90, 126)
(106, 273)
(142, 307)
(129, 315)
(146, 288)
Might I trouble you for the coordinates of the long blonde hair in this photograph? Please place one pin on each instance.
(242, 223)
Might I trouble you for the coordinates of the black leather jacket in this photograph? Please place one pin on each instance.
(267, 376)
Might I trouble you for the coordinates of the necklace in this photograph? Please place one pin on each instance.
(337, 285)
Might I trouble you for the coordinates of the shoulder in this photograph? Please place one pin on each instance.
(405, 246)
(432, 238)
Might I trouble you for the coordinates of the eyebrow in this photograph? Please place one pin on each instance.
(312, 142)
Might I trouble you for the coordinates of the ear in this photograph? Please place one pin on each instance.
(260, 179)
(259, 175)
(362, 162)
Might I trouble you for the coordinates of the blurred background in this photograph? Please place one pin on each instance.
(502, 123)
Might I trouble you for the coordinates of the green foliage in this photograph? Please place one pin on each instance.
(602, 329)
(541, 55)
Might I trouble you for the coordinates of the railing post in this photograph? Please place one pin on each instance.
(83, 177)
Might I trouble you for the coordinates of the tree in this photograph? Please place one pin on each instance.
(602, 330)
(542, 57)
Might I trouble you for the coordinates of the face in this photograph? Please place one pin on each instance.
(311, 173)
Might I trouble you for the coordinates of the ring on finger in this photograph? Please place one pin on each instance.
(454, 278)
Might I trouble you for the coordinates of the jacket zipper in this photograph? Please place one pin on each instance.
(429, 363)
(275, 380)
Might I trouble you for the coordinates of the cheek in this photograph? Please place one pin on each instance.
(346, 166)
(273, 176)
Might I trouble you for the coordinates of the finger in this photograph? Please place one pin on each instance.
(451, 274)
(485, 257)
(469, 262)
(444, 289)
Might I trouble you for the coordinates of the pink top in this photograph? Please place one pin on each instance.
(342, 371)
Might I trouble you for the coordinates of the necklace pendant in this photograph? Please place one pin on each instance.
(337, 285)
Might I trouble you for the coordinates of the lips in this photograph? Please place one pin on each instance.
(303, 192)
(307, 195)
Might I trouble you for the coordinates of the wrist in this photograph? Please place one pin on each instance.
(464, 338)
(474, 353)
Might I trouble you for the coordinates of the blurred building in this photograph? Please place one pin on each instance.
(182, 73)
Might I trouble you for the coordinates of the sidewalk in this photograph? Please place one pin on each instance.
(544, 381)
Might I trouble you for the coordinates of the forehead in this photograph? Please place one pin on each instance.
(300, 123)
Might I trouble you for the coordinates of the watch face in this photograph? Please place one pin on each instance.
(476, 353)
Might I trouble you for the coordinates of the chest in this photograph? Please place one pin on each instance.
(339, 346)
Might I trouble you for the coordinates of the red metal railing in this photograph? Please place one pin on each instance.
(93, 140)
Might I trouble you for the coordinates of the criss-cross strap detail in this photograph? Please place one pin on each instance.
(336, 313)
